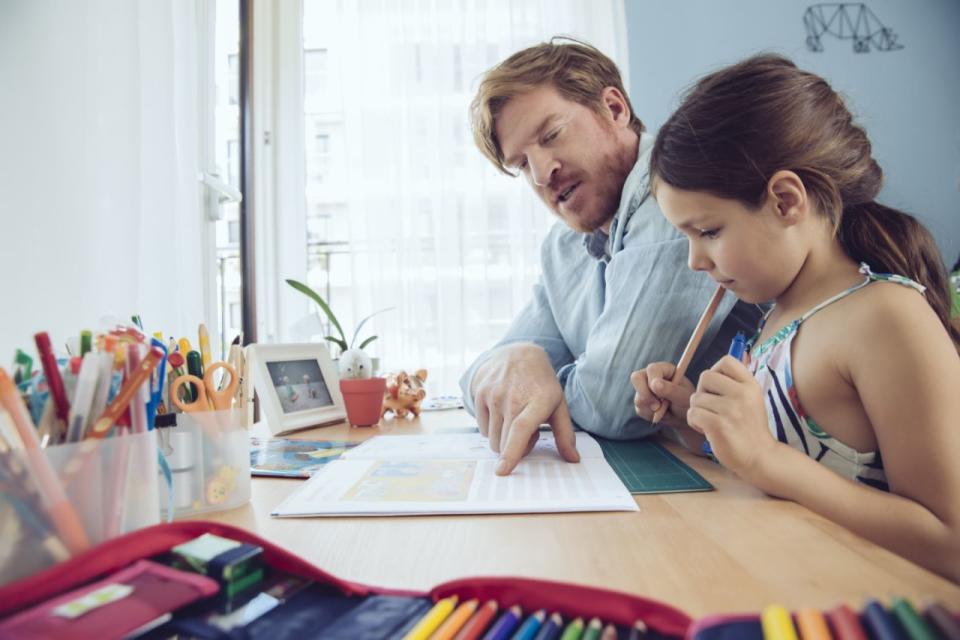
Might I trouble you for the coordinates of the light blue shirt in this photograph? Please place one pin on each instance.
(606, 306)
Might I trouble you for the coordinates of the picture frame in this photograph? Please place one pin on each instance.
(298, 386)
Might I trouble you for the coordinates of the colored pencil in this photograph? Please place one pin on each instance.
(573, 630)
(812, 625)
(639, 630)
(505, 625)
(551, 628)
(455, 622)
(687, 356)
(846, 624)
(61, 512)
(530, 626)
(609, 633)
(479, 621)
(432, 619)
(938, 616)
(879, 623)
(777, 624)
(915, 626)
(593, 630)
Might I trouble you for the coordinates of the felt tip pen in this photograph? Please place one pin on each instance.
(737, 346)
(52, 372)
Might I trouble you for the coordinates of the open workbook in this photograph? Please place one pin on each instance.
(454, 474)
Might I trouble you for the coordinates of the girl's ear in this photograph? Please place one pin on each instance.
(787, 195)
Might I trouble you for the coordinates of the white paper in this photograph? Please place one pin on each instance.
(454, 474)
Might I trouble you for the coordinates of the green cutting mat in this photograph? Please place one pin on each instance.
(645, 466)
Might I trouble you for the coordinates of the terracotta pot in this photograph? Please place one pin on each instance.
(363, 400)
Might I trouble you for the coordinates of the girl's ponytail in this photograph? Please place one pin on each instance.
(891, 241)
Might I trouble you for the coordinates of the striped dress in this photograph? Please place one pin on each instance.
(771, 365)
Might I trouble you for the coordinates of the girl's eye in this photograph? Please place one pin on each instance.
(550, 137)
(709, 233)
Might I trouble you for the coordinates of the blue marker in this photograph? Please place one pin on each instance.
(737, 346)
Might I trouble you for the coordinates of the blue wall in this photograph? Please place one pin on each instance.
(908, 100)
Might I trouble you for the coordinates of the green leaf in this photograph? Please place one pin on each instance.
(337, 341)
(313, 295)
(367, 341)
(363, 322)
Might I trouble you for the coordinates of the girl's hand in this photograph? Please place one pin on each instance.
(653, 385)
(728, 409)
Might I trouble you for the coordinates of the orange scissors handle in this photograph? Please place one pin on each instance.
(222, 398)
(199, 404)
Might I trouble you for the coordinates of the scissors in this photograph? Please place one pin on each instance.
(207, 391)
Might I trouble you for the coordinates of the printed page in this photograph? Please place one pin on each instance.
(458, 446)
(426, 485)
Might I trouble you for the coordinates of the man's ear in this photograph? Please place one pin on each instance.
(616, 105)
(788, 197)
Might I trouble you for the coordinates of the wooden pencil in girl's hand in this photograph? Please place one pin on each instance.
(691, 348)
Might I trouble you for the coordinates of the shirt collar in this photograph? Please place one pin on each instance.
(601, 245)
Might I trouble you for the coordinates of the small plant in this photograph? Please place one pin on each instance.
(340, 339)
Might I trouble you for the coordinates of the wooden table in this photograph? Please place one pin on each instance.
(733, 549)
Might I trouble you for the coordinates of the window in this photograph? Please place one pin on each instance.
(398, 209)
(233, 73)
(226, 151)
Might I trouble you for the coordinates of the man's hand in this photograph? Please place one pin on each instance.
(653, 385)
(515, 391)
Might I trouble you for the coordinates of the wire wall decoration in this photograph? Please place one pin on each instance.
(848, 21)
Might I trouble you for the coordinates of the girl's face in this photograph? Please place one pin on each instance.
(750, 252)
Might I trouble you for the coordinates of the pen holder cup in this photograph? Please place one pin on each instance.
(208, 453)
(57, 500)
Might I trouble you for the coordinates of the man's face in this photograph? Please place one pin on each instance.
(574, 158)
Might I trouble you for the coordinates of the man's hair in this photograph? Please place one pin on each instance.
(578, 72)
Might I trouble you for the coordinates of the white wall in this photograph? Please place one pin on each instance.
(908, 100)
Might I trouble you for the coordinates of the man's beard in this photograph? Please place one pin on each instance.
(588, 221)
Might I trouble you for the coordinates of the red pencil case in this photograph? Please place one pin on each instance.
(569, 600)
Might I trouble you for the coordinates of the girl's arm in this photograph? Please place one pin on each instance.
(907, 373)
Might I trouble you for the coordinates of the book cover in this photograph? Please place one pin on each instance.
(293, 458)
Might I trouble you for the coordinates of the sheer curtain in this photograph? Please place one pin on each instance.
(433, 230)
(98, 178)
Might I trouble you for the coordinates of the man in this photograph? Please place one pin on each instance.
(615, 292)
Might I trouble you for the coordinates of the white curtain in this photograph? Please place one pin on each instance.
(99, 206)
(434, 230)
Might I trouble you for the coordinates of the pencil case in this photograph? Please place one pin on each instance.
(570, 600)
(208, 454)
(895, 620)
(59, 500)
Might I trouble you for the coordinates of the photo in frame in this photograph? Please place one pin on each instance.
(297, 385)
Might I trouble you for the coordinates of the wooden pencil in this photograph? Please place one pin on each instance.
(691, 348)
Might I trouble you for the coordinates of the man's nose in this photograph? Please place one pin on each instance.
(542, 168)
(697, 259)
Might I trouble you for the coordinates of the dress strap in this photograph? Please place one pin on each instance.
(870, 276)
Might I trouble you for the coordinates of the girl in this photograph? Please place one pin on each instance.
(849, 402)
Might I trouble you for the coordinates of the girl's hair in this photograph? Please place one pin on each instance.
(740, 125)
(578, 71)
